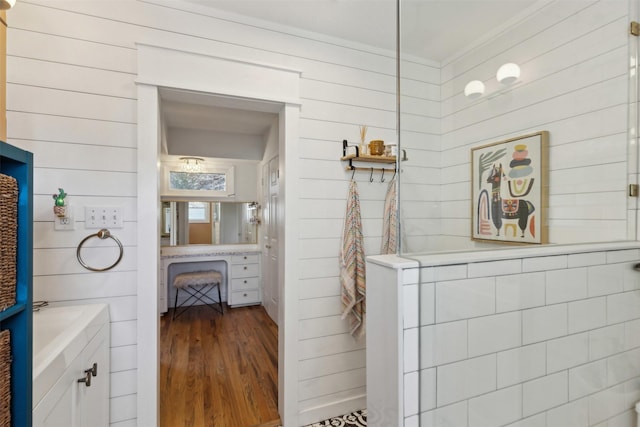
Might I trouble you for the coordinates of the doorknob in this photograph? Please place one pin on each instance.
(267, 246)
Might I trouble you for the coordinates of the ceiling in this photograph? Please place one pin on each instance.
(431, 29)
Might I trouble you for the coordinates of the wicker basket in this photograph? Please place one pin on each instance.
(8, 240)
(5, 378)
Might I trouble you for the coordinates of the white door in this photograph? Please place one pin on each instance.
(271, 180)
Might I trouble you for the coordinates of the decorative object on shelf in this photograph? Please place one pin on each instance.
(376, 147)
(366, 159)
(5, 5)
(516, 167)
(102, 234)
(390, 149)
(363, 137)
(59, 207)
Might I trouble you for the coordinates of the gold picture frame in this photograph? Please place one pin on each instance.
(509, 190)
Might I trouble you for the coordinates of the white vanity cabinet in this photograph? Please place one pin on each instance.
(73, 403)
(244, 287)
(240, 268)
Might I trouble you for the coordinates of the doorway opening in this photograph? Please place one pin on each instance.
(201, 350)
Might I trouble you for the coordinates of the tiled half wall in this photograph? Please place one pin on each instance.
(527, 340)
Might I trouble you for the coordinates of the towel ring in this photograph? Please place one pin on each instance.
(102, 234)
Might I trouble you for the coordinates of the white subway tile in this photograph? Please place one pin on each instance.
(626, 419)
(631, 278)
(494, 268)
(427, 274)
(606, 403)
(623, 307)
(567, 352)
(539, 420)
(521, 364)
(554, 262)
(427, 303)
(411, 393)
(632, 392)
(449, 272)
(587, 379)
(520, 291)
(632, 334)
(497, 408)
(465, 379)
(491, 334)
(566, 285)
(587, 314)
(605, 280)
(604, 342)
(623, 367)
(545, 393)
(544, 323)
(428, 389)
(463, 299)
(451, 342)
(412, 421)
(587, 259)
(573, 414)
(626, 255)
(428, 346)
(452, 415)
(410, 304)
(411, 350)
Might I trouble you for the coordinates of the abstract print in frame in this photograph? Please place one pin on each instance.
(509, 192)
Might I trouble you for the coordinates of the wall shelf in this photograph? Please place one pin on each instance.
(351, 158)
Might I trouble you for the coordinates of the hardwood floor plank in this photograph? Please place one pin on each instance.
(219, 370)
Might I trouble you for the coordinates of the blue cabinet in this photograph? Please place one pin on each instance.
(18, 318)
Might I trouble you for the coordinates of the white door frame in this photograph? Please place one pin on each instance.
(201, 72)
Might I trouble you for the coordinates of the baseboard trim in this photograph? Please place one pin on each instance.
(332, 409)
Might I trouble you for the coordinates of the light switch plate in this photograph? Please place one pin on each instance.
(103, 217)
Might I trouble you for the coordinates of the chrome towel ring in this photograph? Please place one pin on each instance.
(102, 234)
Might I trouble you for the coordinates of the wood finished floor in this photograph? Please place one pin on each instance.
(219, 370)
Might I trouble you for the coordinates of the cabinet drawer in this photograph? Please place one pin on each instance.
(245, 283)
(245, 259)
(245, 297)
(245, 270)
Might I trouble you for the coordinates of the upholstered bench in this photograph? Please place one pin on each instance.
(197, 284)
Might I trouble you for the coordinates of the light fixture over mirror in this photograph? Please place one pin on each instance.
(7, 4)
(191, 164)
(507, 74)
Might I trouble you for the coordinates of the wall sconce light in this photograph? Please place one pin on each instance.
(191, 164)
(474, 89)
(508, 73)
(7, 4)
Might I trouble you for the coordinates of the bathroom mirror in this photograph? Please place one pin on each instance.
(208, 223)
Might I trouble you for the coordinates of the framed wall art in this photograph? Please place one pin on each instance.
(509, 190)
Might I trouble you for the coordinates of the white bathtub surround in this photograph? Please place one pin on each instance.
(67, 342)
(544, 336)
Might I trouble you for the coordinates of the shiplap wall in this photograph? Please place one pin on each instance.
(72, 101)
(574, 62)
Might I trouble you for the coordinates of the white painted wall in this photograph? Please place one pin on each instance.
(72, 101)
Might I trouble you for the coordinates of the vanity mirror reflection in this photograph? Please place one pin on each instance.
(208, 223)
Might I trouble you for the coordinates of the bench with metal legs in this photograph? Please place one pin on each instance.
(197, 285)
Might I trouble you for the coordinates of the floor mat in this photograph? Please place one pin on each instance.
(355, 419)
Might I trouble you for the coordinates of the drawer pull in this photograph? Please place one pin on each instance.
(245, 267)
(245, 282)
(245, 257)
(87, 378)
(244, 295)
(93, 370)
